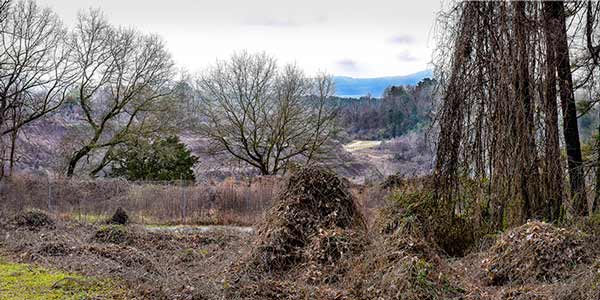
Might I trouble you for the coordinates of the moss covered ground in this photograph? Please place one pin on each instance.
(23, 281)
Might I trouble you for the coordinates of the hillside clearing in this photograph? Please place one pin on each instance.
(361, 145)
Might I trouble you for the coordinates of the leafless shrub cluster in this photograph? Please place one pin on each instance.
(411, 146)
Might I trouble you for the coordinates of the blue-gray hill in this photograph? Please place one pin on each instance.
(357, 87)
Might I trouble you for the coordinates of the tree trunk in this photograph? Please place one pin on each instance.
(528, 176)
(76, 158)
(597, 196)
(567, 97)
(553, 182)
(13, 148)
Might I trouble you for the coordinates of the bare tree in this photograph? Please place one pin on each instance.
(122, 87)
(264, 115)
(324, 117)
(4, 7)
(35, 69)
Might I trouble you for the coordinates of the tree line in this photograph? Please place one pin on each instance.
(400, 110)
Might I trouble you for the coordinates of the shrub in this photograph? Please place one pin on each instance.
(120, 217)
(33, 219)
(416, 214)
(162, 159)
(54, 249)
(115, 234)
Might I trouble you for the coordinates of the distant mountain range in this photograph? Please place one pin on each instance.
(358, 87)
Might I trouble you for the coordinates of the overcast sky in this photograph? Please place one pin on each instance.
(359, 38)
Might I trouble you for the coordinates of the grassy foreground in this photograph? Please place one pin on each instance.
(22, 281)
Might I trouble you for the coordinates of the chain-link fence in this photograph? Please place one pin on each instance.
(227, 202)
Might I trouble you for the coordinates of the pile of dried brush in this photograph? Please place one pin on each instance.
(314, 227)
(536, 251)
(404, 263)
(328, 256)
(401, 268)
(584, 286)
(392, 181)
(33, 219)
(120, 217)
(114, 234)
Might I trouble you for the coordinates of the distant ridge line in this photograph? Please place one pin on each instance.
(357, 87)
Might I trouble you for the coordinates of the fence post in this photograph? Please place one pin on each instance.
(183, 202)
(49, 194)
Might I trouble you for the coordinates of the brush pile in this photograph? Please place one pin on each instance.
(33, 219)
(311, 232)
(114, 234)
(120, 217)
(585, 285)
(405, 262)
(535, 251)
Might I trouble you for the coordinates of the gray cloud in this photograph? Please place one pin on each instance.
(271, 22)
(268, 21)
(347, 65)
(405, 56)
(345, 31)
(402, 39)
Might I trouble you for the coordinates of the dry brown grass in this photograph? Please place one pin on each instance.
(533, 252)
(314, 245)
(230, 201)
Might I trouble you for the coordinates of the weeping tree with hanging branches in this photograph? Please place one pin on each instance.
(504, 69)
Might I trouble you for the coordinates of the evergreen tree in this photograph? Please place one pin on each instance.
(161, 159)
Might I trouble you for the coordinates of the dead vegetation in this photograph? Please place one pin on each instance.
(115, 234)
(120, 217)
(315, 244)
(225, 202)
(405, 261)
(402, 268)
(32, 219)
(314, 200)
(311, 231)
(154, 265)
(535, 251)
(584, 285)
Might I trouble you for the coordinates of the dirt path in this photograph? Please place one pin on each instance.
(360, 145)
(201, 229)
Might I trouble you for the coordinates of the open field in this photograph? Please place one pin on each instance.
(314, 243)
(68, 261)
